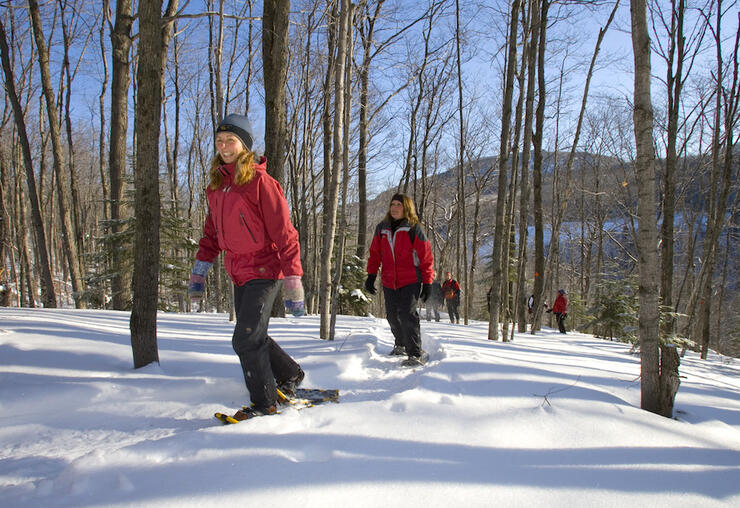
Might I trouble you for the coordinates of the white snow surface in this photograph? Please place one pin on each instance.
(545, 420)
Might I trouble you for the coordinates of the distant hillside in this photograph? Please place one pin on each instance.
(443, 186)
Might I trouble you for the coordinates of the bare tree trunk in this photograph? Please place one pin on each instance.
(524, 193)
(674, 88)
(345, 179)
(63, 184)
(362, 142)
(326, 121)
(302, 177)
(214, 63)
(26, 281)
(75, 202)
(501, 236)
(540, 26)
(121, 40)
(101, 111)
(647, 233)
(462, 225)
(153, 39)
(47, 283)
(5, 241)
(275, 19)
(332, 190)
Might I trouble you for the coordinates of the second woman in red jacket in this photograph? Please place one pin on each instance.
(399, 245)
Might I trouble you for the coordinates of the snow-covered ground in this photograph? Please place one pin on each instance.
(546, 420)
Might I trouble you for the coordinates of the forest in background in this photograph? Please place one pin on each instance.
(496, 117)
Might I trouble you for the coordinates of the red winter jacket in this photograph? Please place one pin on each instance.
(251, 223)
(560, 306)
(454, 287)
(400, 259)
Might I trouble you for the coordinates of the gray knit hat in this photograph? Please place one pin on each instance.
(238, 125)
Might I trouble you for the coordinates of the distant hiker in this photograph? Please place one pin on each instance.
(249, 219)
(399, 245)
(530, 304)
(451, 290)
(560, 309)
(435, 299)
(5, 290)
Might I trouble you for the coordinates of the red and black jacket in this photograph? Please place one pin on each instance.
(251, 223)
(451, 290)
(405, 254)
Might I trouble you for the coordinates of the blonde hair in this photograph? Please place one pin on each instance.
(244, 166)
(409, 211)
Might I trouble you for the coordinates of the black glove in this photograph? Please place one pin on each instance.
(426, 290)
(370, 283)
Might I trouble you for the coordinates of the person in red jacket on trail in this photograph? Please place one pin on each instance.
(451, 290)
(560, 309)
(400, 246)
(249, 219)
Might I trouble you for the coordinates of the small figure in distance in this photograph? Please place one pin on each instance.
(560, 309)
(435, 299)
(451, 290)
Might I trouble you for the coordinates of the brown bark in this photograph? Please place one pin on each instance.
(48, 296)
(530, 51)
(669, 378)
(153, 39)
(121, 40)
(64, 199)
(275, 21)
(501, 236)
(647, 226)
(540, 25)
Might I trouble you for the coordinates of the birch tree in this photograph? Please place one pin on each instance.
(500, 237)
(331, 191)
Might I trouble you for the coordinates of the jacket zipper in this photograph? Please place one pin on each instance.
(241, 215)
(221, 214)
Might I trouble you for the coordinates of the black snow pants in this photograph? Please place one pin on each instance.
(452, 310)
(262, 359)
(401, 311)
(560, 317)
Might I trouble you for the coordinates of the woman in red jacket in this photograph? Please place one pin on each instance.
(399, 245)
(248, 218)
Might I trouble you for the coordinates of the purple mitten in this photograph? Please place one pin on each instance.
(197, 285)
